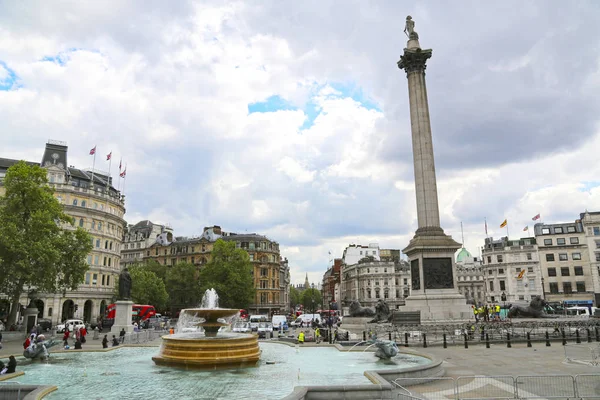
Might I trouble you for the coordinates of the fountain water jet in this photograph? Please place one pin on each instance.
(209, 350)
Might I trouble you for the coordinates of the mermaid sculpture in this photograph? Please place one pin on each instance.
(39, 348)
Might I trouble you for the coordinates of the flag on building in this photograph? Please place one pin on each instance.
(109, 156)
(536, 217)
(122, 174)
(521, 274)
(526, 228)
(93, 151)
(503, 224)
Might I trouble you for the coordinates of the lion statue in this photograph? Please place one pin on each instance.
(534, 310)
(356, 310)
(382, 312)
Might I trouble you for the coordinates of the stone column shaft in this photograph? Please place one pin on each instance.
(424, 165)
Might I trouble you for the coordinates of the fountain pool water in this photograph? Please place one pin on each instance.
(208, 349)
(129, 373)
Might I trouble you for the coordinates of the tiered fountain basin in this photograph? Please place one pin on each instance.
(209, 349)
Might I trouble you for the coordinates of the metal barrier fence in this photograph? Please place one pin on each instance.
(588, 353)
(143, 336)
(586, 386)
(10, 390)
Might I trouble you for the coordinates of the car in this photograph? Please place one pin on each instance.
(45, 324)
(70, 324)
(278, 320)
(265, 330)
(242, 327)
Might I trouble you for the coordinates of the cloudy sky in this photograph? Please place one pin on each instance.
(291, 119)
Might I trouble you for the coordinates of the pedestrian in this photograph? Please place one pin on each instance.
(122, 335)
(27, 343)
(301, 337)
(105, 342)
(115, 341)
(317, 335)
(78, 344)
(12, 365)
(83, 332)
(475, 313)
(66, 337)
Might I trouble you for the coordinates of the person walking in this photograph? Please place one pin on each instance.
(66, 338)
(301, 337)
(122, 335)
(115, 341)
(82, 334)
(12, 365)
(317, 335)
(475, 313)
(105, 342)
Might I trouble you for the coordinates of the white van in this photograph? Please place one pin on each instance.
(307, 319)
(582, 312)
(277, 320)
(256, 319)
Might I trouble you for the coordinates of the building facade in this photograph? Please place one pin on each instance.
(511, 270)
(356, 252)
(591, 229)
(370, 281)
(272, 295)
(139, 237)
(330, 287)
(90, 198)
(469, 276)
(565, 263)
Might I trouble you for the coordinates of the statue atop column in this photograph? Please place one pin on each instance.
(125, 285)
(409, 29)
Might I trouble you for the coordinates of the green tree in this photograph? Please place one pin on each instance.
(182, 285)
(147, 288)
(160, 270)
(39, 248)
(229, 272)
(295, 297)
(311, 300)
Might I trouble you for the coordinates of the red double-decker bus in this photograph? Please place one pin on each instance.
(141, 312)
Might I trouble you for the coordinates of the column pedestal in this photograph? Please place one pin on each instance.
(123, 317)
(434, 289)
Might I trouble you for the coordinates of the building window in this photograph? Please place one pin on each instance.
(74, 202)
(490, 272)
(558, 230)
(574, 240)
(549, 257)
(500, 270)
(103, 277)
(560, 241)
(95, 279)
(576, 256)
(361, 253)
(570, 229)
(529, 256)
(87, 279)
(99, 226)
(98, 243)
(563, 256)
(489, 259)
(545, 231)
(81, 222)
(597, 231)
(547, 242)
(499, 258)
(567, 288)
(551, 271)
(491, 286)
(564, 271)
(502, 285)
(82, 203)
(597, 256)
(107, 280)
(89, 260)
(532, 284)
(578, 271)
(553, 288)
(251, 257)
(580, 286)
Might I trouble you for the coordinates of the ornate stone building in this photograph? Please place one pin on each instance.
(370, 281)
(511, 269)
(139, 237)
(591, 228)
(90, 198)
(330, 287)
(469, 276)
(272, 294)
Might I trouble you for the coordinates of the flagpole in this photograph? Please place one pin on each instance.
(124, 178)
(528, 234)
(94, 165)
(507, 237)
(109, 165)
(119, 180)
(462, 234)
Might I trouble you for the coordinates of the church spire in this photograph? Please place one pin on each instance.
(306, 284)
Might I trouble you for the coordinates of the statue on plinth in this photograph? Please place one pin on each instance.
(409, 28)
(356, 310)
(534, 310)
(382, 312)
(124, 285)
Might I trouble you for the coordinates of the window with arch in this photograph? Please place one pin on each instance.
(93, 224)
(82, 203)
(106, 245)
(99, 226)
(81, 222)
(74, 202)
(110, 246)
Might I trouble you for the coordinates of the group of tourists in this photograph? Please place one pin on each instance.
(79, 335)
(487, 312)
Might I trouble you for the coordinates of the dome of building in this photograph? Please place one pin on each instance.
(462, 255)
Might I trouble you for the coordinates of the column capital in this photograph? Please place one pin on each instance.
(413, 60)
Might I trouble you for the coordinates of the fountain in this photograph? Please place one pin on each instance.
(208, 349)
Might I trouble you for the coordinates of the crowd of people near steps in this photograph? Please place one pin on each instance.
(78, 335)
(486, 312)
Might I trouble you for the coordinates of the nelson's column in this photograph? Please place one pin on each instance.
(431, 252)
